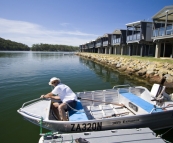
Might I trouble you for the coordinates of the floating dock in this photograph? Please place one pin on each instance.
(141, 135)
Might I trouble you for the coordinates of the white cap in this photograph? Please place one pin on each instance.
(53, 79)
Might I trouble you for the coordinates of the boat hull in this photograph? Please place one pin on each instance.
(154, 121)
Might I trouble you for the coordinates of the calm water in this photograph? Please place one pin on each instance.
(25, 76)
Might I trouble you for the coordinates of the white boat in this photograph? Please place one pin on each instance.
(119, 108)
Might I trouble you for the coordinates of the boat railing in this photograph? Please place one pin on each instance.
(98, 97)
(163, 108)
(120, 86)
(30, 102)
(33, 115)
(136, 91)
(155, 109)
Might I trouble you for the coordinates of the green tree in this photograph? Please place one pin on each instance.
(8, 45)
(49, 47)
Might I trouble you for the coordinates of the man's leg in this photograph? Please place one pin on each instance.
(55, 109)
(62, 108)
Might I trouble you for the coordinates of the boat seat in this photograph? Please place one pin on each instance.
(140, 102)
(77, 115)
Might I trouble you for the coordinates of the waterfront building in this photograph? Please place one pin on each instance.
(99, 45)
(163, 32)
(84, 47)
(139, 39)
(81, 48)
(87, 47)
(106, 38)
(118, 42)
(91, 46)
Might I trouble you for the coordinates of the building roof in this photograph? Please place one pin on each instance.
(161, 15)
(118, 31)
(92, 41)
(106, 35)
(136, 23)
(98, 38)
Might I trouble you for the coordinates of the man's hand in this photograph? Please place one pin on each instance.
(42, 96)
(48, 95)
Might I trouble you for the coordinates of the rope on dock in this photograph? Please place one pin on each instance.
(164, 134)
(52, 134)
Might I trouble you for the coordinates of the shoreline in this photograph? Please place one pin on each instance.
(147, 71)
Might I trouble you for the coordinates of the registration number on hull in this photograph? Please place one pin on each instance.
(87, 127)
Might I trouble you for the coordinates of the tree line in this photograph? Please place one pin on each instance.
(49, 47)
(8, 45)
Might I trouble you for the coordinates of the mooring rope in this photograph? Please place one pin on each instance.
(166, 131)
(50, 133)
(164, 134)
(41, 128)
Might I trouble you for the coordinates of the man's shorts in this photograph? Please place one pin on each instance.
(71, 104)
(56, 100)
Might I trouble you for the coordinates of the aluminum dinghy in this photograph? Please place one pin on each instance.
(117, 108)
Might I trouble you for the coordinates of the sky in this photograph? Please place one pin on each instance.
(70, 22)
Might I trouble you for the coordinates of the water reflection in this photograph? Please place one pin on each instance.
(114, 77)
(50, 55)
(12, 54)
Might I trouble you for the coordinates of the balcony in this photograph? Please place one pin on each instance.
(161, 31)
(116, 40)
(105, 43)
(98, 45)
(134, 37)
(130, 38)
(91, 46)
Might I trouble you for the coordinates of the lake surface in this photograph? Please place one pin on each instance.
(25, 76)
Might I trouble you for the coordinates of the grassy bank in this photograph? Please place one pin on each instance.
(150, 59)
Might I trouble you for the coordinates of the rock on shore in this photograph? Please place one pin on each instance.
(150, 71)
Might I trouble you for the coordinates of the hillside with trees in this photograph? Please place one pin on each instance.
(8, 45)
(49, 47)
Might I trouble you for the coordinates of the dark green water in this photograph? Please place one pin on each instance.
(25, 75)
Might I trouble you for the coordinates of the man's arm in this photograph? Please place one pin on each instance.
(50, 95)
(55, 97)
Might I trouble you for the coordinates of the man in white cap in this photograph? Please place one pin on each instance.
(65, 94)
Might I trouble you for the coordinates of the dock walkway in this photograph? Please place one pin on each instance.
(141, 135)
